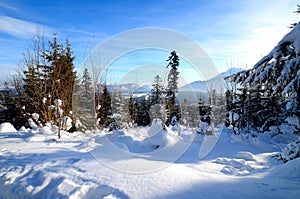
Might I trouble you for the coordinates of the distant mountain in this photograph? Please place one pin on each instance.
(231, 71)
(131, 88)
(199, 89)
(146, 88)
(216, 82)
(192, 91)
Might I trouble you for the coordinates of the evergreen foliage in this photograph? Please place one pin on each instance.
(171, 106)
(157, 110)
(157, 90)
(48, 75)
(83, 101)
(269, 92)
(120, 109)
(9, 111)
(139, 109)
(104, 113)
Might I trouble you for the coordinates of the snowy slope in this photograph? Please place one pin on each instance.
(139, 163)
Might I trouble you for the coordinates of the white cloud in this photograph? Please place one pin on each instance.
(16, 27)
(3, 5)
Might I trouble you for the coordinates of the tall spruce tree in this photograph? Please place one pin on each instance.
(61, 72)
(143, 118)
(157, 110)
(104, 114)
(83, 104)
(132, 109)
(157, 90)
(120, 109)
(172, 89)
(86, 90)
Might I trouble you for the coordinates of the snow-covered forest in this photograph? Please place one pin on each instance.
(69, 135)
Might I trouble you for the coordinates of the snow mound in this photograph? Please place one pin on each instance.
(155, 127)
(246, 155)
(121, 146)
(45, 130)
(162, 139)
(7, 127)
(244, 164)
(290, 170)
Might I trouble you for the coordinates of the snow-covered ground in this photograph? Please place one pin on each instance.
(142, 163)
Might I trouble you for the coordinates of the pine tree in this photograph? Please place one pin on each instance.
(120, 109)
(297, 12)
(172, 89)
(143, 113)
(185, 114)
(59, 75)
(104, 114)
(204, 111)
(8, 108)
(68, 76)
(61, 72)
(277, 77)
(31, 88)
(86, 90)
(157, 90)
(131, 106)
(48, 75)
(221, 108)
(30, 84)
(157, 109)
(83, 109)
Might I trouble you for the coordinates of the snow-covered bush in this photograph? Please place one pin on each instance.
(292, 151)
(66, 123)
(204, 128)
(174, 120)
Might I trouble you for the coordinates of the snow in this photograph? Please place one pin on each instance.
(58, 102)
(293, 121)
(204, 127)
(98, 107)
(291, 152)
(146, 162)
(31, 123)
(67, 123)
(35, 116)
(282, 76)
(294, 38)
(7, 127)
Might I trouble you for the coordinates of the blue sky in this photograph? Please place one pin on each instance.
(233, 33)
